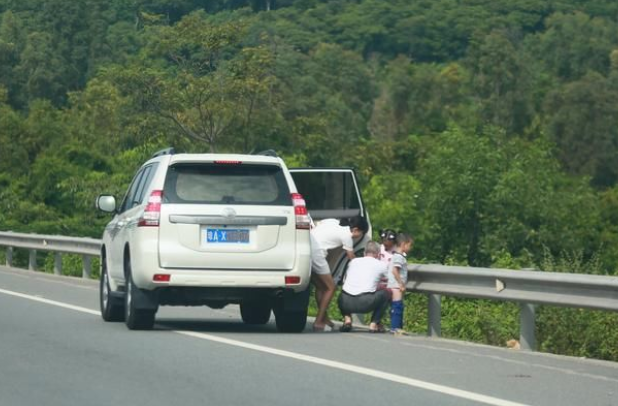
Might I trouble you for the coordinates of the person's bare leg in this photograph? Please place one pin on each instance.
(326, 320)
(327, 296)
(319, 289)
(319, 294)
(326, 285)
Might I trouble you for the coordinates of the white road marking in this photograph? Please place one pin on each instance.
(489, 400)
(528, 363)
(358, 370)
(51, 302)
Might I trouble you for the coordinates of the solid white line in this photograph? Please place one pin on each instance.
(50, 302)
(306, 358)
(358, 370)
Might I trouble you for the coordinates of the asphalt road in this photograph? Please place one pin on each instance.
(55, 350)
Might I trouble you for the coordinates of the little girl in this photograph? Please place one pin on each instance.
(398, 278)
(387, 249)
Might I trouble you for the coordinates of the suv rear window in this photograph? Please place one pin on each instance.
(226, 184)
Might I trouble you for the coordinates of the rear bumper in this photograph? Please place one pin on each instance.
(145, 264)
(223, 279)
(220, 297)
(143, 274)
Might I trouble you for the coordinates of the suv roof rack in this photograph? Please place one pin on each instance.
(268, 152)
(166, 151)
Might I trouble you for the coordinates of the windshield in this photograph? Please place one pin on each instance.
(226, 184)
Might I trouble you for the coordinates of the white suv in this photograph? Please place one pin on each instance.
(211, 229)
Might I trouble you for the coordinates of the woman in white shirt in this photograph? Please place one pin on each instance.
(326, 235)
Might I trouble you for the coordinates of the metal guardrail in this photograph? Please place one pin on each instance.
(87, 247)
(528, 288)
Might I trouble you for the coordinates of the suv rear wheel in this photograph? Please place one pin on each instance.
(290, 321)
(254, 312)
(135, 318)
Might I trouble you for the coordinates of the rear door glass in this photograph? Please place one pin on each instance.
(329, 193)
(226, 184)
(129, 198)
(149, 172)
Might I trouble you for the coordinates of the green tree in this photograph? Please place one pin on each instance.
(41, 71)
(12, 42)
(485, 193)
(501, 83)
(582, 119)
(13, 154)
(197, 76)
(574, 44)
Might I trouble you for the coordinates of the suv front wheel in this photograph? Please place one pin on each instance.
(112, 307)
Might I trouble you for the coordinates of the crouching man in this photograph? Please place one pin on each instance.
(360, 293)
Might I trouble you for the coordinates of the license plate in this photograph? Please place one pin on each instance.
(227, 235)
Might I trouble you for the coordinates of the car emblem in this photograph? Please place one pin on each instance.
(228, 213)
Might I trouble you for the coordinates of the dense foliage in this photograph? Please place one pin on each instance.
(486, 128)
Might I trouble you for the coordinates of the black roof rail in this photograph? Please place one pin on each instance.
(166, 151)
(268, 152)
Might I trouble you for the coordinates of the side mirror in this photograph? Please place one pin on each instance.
(106, 203)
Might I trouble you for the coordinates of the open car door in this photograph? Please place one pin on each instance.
(333, 193)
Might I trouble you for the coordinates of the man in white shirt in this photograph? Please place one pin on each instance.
(326, 235)
(360, 293)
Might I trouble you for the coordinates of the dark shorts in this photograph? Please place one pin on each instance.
(375, 302)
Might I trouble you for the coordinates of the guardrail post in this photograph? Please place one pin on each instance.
(58, 263)
(527, 336)
(87, 266)
(434, 316)
(9, 256)
(32, 260)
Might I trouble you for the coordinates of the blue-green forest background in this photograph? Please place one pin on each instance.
(486, 128)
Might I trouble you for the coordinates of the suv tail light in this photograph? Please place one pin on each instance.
(292, 280)
(152, 213)
(300, 210)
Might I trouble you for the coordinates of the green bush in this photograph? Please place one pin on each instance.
(72, 265)
(578, 332)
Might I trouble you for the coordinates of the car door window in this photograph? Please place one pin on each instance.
(329, 193)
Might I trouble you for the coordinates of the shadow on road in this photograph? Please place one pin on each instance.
(238, 327)
(214, 326)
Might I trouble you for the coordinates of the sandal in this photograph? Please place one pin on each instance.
(346, 328)
(379, 329)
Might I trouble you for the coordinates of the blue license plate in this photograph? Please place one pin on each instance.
(227, 235)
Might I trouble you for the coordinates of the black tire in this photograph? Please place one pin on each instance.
(290, 321)
(254, 312)
(112, 308)
(136, 319)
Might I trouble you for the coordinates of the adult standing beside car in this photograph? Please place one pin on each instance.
(329, 234)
